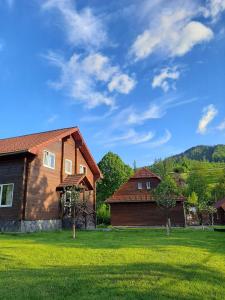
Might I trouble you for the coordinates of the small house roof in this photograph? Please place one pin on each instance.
(123, 194)
(74, 180)
(145, 173)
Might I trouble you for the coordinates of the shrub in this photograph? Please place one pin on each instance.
(103, 214)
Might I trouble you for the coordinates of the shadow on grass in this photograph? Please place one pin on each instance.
(132, 281)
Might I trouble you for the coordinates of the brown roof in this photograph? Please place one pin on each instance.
(127, 194)
(73, 180)
(28, 143)
(32, 142)
(220, 203)
(144, 173)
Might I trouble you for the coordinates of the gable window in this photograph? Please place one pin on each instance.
(139, 185)
(6, 195)
(148, 185)
(49, 159)
(83, 169)
(68, 166)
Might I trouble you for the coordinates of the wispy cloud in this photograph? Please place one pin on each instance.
(156, 110)
(166, 78)
(214, 9)
(171, 31)
(130, 137)
(221, 126)
(209, 113)
(52, 119)
(161, 140)
(83, 28)
(81, 76)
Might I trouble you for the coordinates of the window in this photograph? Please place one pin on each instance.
(139, 185)
(49, 159)
(68, 166)
(148, 185)
(83, 169)
(6, 194)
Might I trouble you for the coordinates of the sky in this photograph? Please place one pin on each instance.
(142, 78)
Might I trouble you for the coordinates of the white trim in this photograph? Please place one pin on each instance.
(1, 194)
(71, 166)
(84, 168)
(45, 165)
(139, 185)
(148, 185)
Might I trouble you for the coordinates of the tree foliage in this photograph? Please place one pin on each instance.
(115, 173)
(165, 194)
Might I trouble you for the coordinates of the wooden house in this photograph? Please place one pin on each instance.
(133, 204)
(34, 169)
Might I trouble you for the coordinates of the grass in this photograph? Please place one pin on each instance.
(125, 264)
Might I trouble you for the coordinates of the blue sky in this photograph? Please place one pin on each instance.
(142, 78)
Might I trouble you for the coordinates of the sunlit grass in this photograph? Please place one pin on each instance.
(123, 264)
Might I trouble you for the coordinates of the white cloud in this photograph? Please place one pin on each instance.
(122, 83)
(171, 32)
(214, 9)
(209, 113)
(83, 28)
(132, 137)
(156, 110)
(165, 79)
(221, 126)
(80, 77)
(161, 140)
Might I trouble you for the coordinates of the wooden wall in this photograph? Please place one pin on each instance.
(144, 214)
(11, 171)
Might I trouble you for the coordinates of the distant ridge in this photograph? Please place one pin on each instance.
(203, 153)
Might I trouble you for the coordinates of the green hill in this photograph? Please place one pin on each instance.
(204, 153)
(210, 159)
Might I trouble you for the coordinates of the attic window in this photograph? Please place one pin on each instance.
(148, 185)
(49, 159)
(139, 185)
(68, 166)
(83, 169)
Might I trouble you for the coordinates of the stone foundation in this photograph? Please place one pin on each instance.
(30, 226)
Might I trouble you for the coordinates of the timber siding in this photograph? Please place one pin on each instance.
(11, 171)
(144, 214)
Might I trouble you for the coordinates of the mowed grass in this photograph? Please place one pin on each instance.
(123, 264)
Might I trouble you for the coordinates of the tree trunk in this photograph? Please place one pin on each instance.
(169, 223)
(212, 219)
(74, 223)
(167, 229)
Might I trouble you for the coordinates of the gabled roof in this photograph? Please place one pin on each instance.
(144, 173)
(124, 194)
(220, 203)
(32, 142)
(73, 180)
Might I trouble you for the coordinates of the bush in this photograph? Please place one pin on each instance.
(103, 214)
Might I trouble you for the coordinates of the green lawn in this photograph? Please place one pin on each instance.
(127, 264)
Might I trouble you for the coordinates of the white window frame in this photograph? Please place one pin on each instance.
(45, 165)
(148, 185)
(1, 185)
(71, 166)
(84, 168)
(139, 185)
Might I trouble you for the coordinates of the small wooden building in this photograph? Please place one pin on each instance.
(220, 215)
(133, 204)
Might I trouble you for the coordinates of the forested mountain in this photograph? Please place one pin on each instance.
(204, 153)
